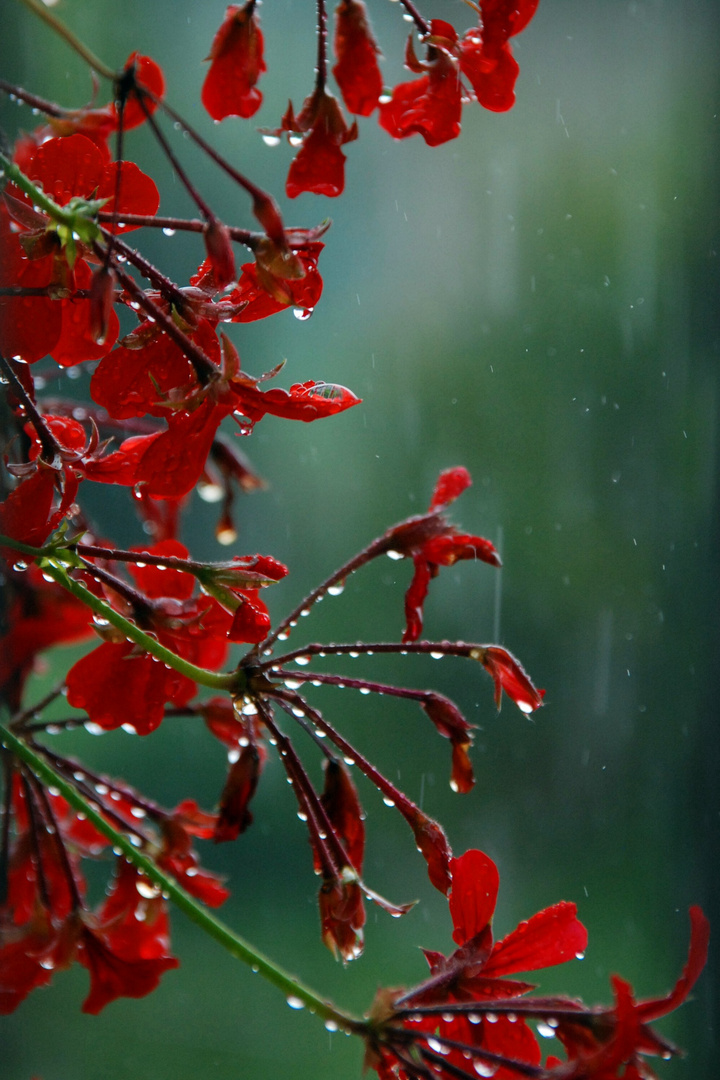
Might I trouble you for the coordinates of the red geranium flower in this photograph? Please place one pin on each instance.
(432, 542)
(237, 64)
(431, 105)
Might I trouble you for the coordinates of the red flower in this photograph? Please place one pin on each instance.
(125, 946)
(237, 64)
(432, 542)
(475, 971)
(319, 165)
(356, 71)
(431, 105)
(485, 56)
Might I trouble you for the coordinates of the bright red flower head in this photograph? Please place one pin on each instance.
(237, 63)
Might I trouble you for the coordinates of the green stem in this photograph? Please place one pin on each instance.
(232, 681)
(39, 9)
(294, 990)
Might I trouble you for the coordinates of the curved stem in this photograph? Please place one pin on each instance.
(39, 9)
(236, 945)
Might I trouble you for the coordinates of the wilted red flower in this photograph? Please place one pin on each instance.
(356, 51)
(237, 64)
(431, 105)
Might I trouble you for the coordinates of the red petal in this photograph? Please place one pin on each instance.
(251, 622)
(450, 484)
(475, 882)
(116, 687)
(415, 598)
(319, 166)
(237, 64)
(550, 937)
(148, 75)
(155, 582)
(697, 958)
(138, 193)
(356, 71)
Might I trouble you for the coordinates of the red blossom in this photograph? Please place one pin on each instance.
(431, 105)
(432, 542)
(319, 165)
(125, 946)
(237, 63)
(356, 72)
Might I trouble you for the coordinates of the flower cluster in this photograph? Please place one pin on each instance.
(162, 626)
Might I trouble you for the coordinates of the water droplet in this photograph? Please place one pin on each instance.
(284, 635)
(168, 232)
(210, 493)
(233, 755)
(491, 1018)
(20, 566)
(48, 964)
(138, 812)
(295, 1002)
(394, 555)
(331, 1025)
(365, 690)
(337, 589)
(579, 955)
(525, 707)
(297, 712)
(93, 729)
(227, 535)
(130, 729)
(305, 612)
(295, 140)
(388, 801)
(292, 684)
(482, 1068)
(303, 314)
(302, 661)
(545, 1030)
(146, 889)
(512, 1018)
(302, 815)
(271, 140)
(474, 1018)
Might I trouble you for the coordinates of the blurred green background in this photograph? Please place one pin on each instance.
(537, 301)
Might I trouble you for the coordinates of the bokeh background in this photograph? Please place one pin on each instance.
(537, 301)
